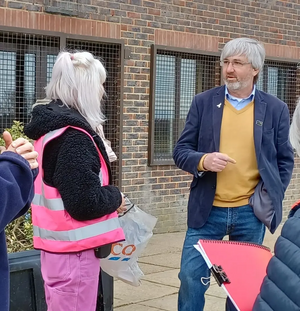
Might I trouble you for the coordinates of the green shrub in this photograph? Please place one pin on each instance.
(19, 233)
(16, 131)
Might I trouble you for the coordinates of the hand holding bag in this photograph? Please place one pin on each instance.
(122, 260)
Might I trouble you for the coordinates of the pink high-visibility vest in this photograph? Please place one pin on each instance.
(54, 230)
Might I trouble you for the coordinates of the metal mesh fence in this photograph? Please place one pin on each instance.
(26, 62)
(281, 80)
(179, 76)
(24, 59)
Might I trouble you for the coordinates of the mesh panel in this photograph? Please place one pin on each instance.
(23, 66)
(26, 62)
(110, 55)
(179, 76)
(280, 80)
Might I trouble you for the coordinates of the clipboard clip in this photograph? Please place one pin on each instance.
(219, 275)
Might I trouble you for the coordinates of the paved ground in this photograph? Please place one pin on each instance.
(158, 291)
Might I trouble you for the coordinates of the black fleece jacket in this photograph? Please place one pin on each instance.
(71, 162)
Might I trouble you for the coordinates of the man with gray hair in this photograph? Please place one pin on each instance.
(235, 144)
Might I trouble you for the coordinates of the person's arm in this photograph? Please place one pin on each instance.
(16, 183)
(185, 153)
(285, 153)
(76, 176)
(18, 169)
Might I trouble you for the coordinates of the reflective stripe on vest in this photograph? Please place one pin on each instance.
(78, 234)
(53, 228)
(52, 204)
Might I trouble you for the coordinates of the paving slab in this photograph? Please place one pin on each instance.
(214, 303)
(168, 303)
(138, 307)
(163, 260)
(126, 294)
(164, 243)
(169, 277)
(149, 268)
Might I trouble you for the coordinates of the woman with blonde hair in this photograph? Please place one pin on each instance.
(74, 211)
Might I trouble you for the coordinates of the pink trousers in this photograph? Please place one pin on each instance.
(70, 280)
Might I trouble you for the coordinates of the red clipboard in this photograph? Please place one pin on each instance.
(239, 268)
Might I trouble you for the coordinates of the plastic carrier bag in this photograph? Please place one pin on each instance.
(122, 260)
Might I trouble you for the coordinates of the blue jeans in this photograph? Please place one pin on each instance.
(239, 223)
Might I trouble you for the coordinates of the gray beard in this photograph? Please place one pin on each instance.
(233, 85)
(238, 85)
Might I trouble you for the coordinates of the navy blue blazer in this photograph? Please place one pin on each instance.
(201, 135)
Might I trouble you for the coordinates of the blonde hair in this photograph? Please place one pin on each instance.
(77, 80)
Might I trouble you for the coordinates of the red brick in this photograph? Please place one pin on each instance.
(134, 15)
(73, 26)
(17, 18)
(154, 12)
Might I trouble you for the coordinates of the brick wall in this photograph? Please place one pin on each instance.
(197, 25)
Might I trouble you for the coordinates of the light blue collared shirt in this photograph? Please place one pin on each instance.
(239, 103)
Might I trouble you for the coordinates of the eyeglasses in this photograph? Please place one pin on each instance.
(235, 64)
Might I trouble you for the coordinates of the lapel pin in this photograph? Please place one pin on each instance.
(259, 123)
(219, 106)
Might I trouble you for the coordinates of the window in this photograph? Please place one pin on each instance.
(176, 76)
(8, 83)
(23, 62)
(280, 80)
(26, 62)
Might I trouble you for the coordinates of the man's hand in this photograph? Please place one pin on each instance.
(22, 147)
(216, 161)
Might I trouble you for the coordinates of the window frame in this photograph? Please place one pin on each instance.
(62, 44)
(268, 63)
(37, 51)
(154, 48)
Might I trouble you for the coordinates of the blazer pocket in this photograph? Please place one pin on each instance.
(268, 135)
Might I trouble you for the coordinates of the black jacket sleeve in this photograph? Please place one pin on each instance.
(71, 164)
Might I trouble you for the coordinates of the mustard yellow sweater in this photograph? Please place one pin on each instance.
(236, 183)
